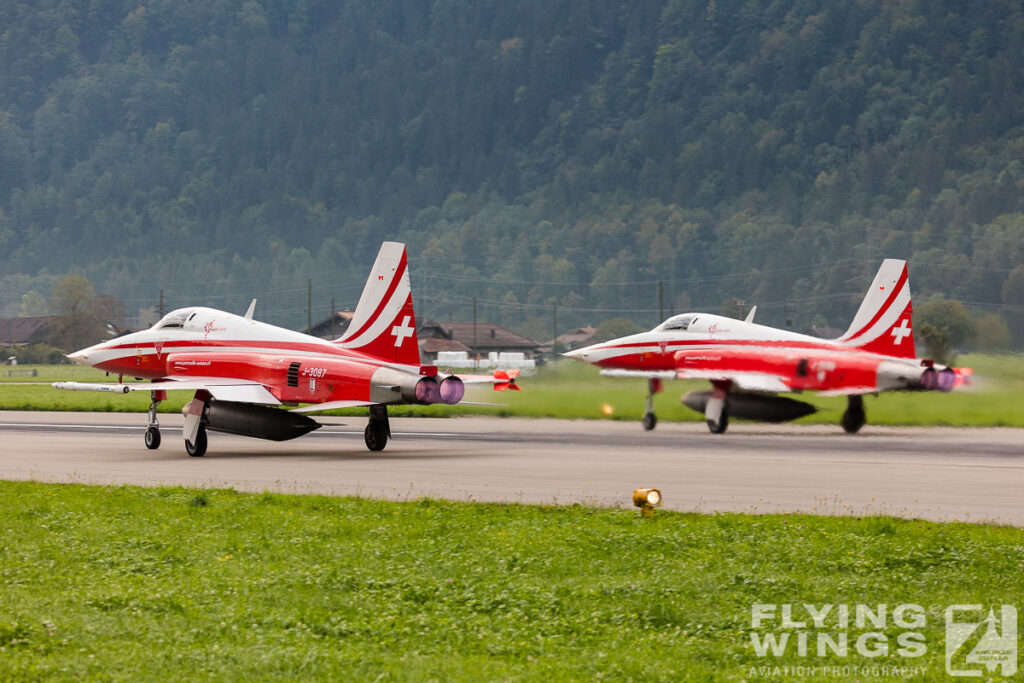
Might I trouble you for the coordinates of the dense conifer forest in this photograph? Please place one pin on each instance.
(616, 159)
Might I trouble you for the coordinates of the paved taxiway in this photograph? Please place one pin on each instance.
(941, 474)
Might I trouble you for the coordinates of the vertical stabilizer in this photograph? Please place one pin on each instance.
(883, 321)
(384, 325)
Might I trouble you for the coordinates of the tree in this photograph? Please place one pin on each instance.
(1013, 298)
(612, 328)
(33, 304)
(944, 325)
(81, 316)
(993, 336)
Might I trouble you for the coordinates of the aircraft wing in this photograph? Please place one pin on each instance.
(747, 381)
(645, 374)
(221, 388)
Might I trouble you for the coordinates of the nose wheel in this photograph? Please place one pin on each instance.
(378, 429)
(153, 427)
(650, 420)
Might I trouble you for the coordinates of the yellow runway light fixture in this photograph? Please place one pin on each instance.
(647, 500)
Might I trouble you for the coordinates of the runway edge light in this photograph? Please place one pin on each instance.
(647, 500)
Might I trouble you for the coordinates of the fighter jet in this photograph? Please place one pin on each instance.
(243, 371)
(749, 364)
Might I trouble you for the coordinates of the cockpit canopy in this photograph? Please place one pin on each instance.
(678, 322)
(175, 319)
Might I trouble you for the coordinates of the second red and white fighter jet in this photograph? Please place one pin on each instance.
(749, 364)
(243, 371)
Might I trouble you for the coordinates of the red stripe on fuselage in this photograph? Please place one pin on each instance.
(153, 366)
(664, 360)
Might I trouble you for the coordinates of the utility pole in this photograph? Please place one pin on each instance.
(309, 306)
(554, 325)
(474, 332)
(334, 316)
(161, 303)
(661, 301)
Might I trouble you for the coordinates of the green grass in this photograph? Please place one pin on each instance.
(575, 391)
(52, 373)
(130, 583)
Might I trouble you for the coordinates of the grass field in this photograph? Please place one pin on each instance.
(130, 583)
(575, 391)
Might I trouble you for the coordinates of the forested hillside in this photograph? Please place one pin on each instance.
(529, 151)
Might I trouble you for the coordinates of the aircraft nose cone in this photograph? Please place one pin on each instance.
(79, 357)
(577, 354)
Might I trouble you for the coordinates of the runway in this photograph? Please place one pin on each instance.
(937, 474)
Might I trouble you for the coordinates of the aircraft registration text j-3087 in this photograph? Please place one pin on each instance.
(748, 364)
(243, 371)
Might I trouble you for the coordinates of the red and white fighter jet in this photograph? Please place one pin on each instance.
(748, 363)
(242, 370)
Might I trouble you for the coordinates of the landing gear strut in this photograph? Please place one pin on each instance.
(193, 430)
(716, 412)
(378, 429)
(854, 417)
(153, 428)
(650, 420)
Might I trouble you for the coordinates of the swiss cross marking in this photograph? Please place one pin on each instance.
(898, 333)
(402, 331)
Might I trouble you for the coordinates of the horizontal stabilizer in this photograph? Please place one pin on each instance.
(849, 391)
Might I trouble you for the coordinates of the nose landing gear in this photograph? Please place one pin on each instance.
(153, 427)
(650, 420)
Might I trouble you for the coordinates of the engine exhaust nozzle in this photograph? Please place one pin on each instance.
(452, 390)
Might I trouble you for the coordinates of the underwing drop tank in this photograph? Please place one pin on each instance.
(261, 422)
(760, 407)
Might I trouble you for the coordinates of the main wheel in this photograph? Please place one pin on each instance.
(197, 449)
(376, 435)
(853, 420)
(152, 438)
(649, 421)
(854, 416)
(722, 424)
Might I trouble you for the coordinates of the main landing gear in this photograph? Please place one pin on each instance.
(197, 449)
(195, 444)
(716, 412)
(854, 416)
(650, 420)
(193, 430)
(153, 428)
(378, 429)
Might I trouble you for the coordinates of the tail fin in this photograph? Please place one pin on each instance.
(384, 325)
(883, 321)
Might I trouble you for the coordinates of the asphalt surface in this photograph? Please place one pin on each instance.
(939, 474)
